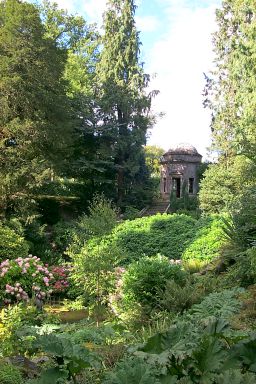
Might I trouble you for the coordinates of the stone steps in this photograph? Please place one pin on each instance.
(157, 207)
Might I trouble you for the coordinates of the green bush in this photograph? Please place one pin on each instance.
(144, 280)
(243, 272)
(148, 236)
(199, 347)
(62, 235)
(9, 374)
(174, 236)
(12, 245)
(100, 222)
(177, 298)
(69, 358)
(14, 319)
(208, 241)
(93, 269)
(242, 232)
(224, 181)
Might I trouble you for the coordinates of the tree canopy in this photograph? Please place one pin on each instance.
(231, 90)
(34, 112)
(73, 105)
(231, 96)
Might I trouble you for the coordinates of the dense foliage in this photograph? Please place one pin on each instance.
(12, 245)
(153, 300)
(23, 278)
(174, 236)
(144, 280)
(9, 374)
(224, 181)
(208, 241)
(123, 99)
(34, 120)
(200, 345)
(231, 90)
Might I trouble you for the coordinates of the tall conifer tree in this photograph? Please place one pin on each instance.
(121, 89)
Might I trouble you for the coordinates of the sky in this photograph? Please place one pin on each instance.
(176, 37)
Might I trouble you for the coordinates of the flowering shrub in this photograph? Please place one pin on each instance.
(22, 278)
(59, 282)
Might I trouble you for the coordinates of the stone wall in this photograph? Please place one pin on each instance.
(177, 169)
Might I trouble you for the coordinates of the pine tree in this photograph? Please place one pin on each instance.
(122, 97)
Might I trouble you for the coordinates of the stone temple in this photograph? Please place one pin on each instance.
(179, 167)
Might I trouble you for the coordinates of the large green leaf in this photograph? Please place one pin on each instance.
(245, 351)
(210, 356)
(181, 337)
(134, 371)
(50, 344)
(236, 377)
(53, 376)
(169, 380)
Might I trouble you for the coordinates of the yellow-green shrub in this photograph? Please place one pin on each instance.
(208, 241)
(12, 245)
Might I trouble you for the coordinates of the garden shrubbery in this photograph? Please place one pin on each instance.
(145, 278)
(134, 268)
(243, 271)
(9, 374)
(23, 278)
(174, 236)
(147, 236)
(12, 245)
(208, 241)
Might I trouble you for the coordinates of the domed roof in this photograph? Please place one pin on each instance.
(183, 149)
